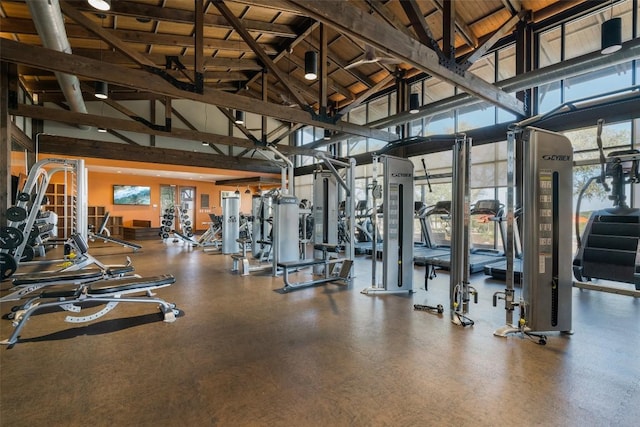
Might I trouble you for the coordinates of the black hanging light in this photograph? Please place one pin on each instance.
(611, 34)
(239, 117)
(414, 103)
(101, 90)
(311, 65)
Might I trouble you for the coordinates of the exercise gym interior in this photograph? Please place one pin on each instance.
(320, 213)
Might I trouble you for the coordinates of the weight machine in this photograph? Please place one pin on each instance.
(397, 235)
(547, 177)
(15, 237)
(326, 259)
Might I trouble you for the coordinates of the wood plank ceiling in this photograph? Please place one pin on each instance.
(255, 49)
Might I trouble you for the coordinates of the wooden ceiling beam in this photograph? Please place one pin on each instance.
(465, 32)
(73, 118)
(52, 144)
(257, 49)
(348, 19)
(384, 12)
(105, 35)
(420, 26)
(26, 27)
(47, 59)
(166, 14)
(497, 35)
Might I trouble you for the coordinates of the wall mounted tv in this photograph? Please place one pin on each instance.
(131, 195)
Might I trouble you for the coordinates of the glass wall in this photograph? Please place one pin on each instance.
(564, 41)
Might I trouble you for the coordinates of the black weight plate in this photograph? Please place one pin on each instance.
(187, 223)
(171, 209)
(165, 235)
(10, 237)
(188, 229)
(27, 254)
(23, 197)
(189, 234)
(168, 223)
(16, 213)
(8, 266)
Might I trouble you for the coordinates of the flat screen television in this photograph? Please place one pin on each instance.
(131, 195)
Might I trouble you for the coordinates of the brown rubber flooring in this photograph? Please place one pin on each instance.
(246, 355)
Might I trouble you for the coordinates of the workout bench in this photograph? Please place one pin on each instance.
(71, 298)
(344, 275)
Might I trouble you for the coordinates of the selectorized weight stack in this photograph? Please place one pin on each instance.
(547, 180)
(397, 244)
(230, 224)
(325, 209)
(285, 230)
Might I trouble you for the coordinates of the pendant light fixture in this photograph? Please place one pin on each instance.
(311, 65)
(100, 4)
(101, 90)
(239, 117)
(611, 34)
(414, 103)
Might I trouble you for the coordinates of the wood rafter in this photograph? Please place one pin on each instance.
(73, 118)
(140, 80)
(420, 26)
(264, 58)
(350, 20)
(52, 144)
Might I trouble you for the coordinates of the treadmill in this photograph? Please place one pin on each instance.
(498, 270)
(492, 210)
(433, 223)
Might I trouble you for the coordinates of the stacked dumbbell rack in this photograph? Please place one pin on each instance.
(166, 222)
(176, 218)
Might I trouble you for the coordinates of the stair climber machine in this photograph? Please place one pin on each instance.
(547, 180)
(397, 234)
(610, 245)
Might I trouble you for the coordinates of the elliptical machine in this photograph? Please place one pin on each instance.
(610, 245)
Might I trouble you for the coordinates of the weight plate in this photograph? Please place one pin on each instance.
(189, 234)
(188, 229)
(23, 197)
(165, 235)
(16, 213)
(8, 266)
(10, 237)
(187, 223)
(169, 223)
(27, 254)
(171, 209)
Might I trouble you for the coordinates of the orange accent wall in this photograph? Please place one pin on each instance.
(100, 192)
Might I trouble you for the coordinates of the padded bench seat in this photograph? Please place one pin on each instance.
(63, 276)
(111, 287)
(301, 263)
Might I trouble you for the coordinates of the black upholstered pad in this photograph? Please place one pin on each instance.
(115, 286)
(63, 276)
(67, 291)
(117, 271)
